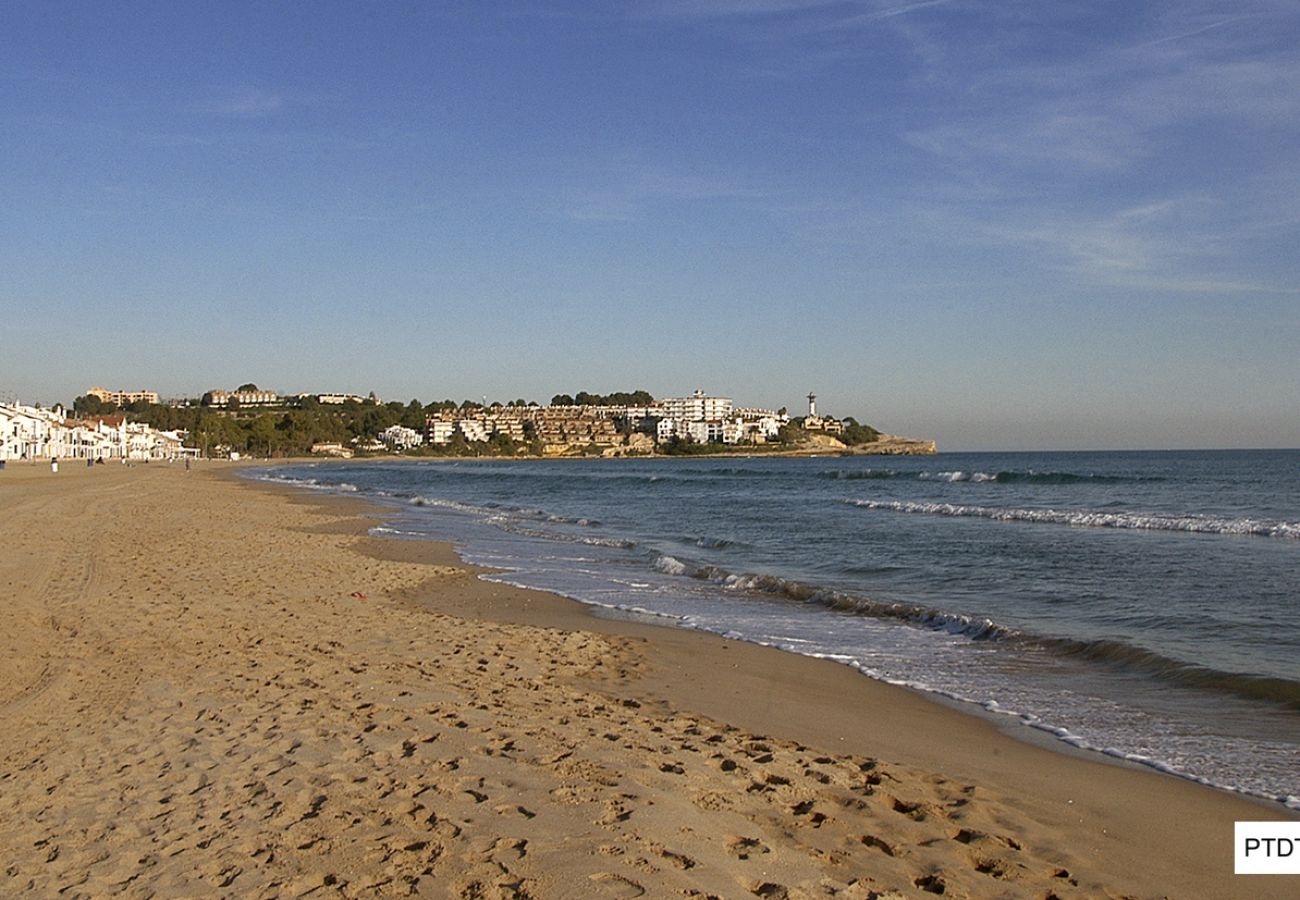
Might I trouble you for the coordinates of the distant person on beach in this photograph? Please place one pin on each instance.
(54, 464)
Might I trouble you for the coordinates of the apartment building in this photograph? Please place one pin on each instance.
(244, 398)
(696, 408)
(122, 398)
(439, 431)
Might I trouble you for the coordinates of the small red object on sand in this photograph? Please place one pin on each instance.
(358, 595)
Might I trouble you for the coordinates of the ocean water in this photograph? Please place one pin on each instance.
(1142, 604)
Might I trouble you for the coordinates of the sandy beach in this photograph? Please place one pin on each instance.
(210, 687)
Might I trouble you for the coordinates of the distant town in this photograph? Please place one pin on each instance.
(250, 422)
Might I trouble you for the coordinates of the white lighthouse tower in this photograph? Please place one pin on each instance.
(812, 406)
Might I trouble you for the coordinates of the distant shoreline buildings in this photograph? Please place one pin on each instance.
(250, 420)
(638, 428)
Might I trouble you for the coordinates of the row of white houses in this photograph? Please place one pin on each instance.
(32, 433)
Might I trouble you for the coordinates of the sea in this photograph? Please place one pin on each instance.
(1144, 605)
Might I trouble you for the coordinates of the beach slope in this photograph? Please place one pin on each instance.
(213, 688)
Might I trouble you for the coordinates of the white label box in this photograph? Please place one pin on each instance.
(1266, 848)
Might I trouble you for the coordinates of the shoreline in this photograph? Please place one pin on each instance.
(299, 708)
(1054, 733)
(594, 618)
(1011, 725)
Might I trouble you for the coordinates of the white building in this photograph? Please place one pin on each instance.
(705, 431)
(27, 432)
(439, 431)
(695, 408)
(335, 399)
(399, 437)
(473, 429)
(245, 398)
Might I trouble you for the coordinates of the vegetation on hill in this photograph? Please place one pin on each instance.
(618, 398)
(855, 434)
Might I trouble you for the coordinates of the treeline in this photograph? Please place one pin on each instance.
(618, 398)
(280, 431)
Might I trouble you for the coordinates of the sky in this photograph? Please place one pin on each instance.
(1002, 225)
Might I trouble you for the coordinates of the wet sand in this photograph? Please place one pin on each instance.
(215, 688)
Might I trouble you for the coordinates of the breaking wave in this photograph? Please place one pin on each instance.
(1029, 476)
(952, 623)
(1110, 653)
(1117, 653)
(1094, 519)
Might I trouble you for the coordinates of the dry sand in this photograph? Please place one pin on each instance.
(209, 688)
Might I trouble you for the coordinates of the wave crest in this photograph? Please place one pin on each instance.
(1093, 518)
(1111, 653)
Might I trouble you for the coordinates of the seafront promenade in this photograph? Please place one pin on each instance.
(215, 688)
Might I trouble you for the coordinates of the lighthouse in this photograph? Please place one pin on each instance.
(812, 406)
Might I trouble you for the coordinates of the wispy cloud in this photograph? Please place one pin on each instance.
(878, 13)
(1107, 106)
(1193, 32)
(242, 102)
(1176, 245)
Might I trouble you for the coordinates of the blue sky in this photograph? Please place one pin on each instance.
(1001, 225)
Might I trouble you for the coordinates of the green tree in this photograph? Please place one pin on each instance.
(263, 436)
(90, 405)
(413, 416)
(503, 444)
(855, 434)
(792, 433)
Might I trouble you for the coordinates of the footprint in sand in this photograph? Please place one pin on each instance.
(745, 847)
(608, 884)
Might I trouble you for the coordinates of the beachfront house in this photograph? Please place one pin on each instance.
(29, 431)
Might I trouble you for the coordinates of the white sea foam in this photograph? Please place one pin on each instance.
(671, 566)
(1094, 519)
